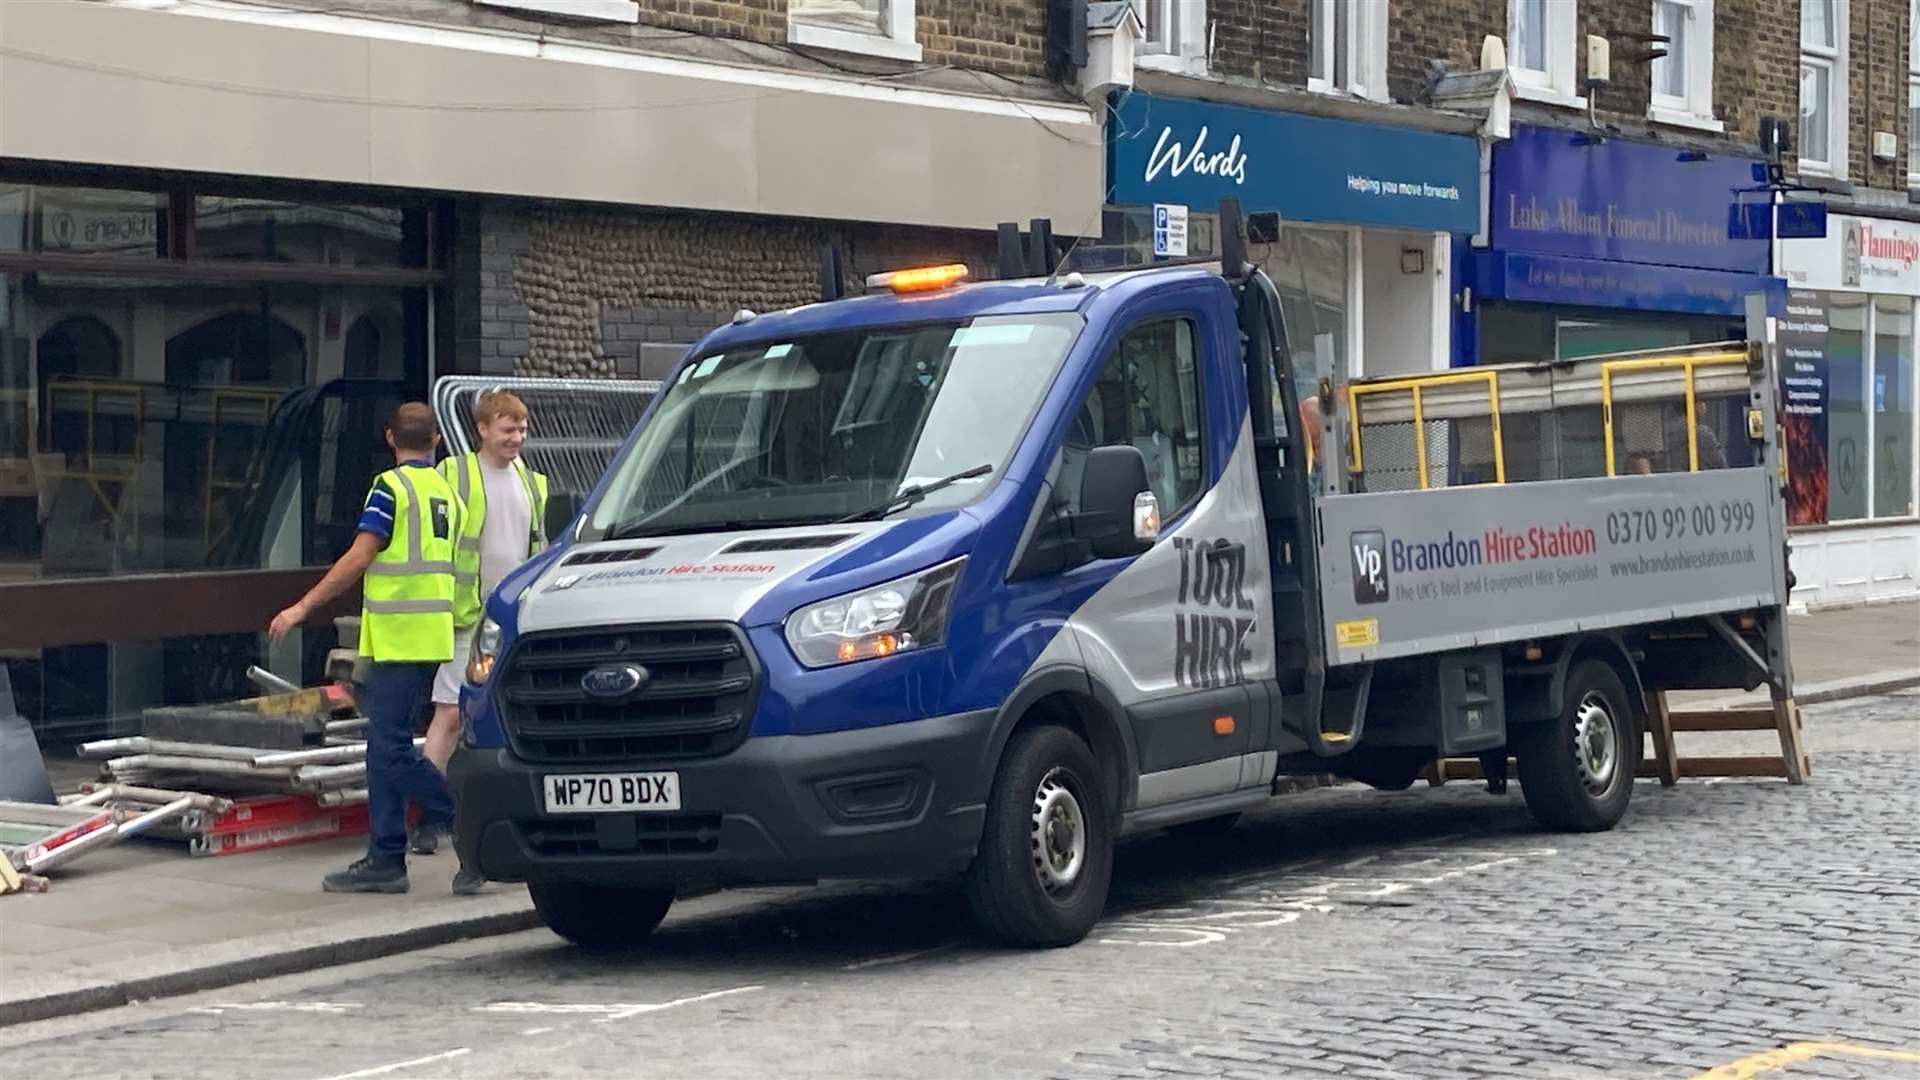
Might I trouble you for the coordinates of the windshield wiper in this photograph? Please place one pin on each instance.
(911, 494)
(634, 531)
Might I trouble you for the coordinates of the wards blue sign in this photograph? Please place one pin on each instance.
(1172, 150)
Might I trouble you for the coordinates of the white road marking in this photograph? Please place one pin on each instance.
(382, 1070)
(1209, 920)
(898, 958)
(278, 1006)
(536, 1031)
(604, 1012)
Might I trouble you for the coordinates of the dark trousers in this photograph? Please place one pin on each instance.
(396, 773)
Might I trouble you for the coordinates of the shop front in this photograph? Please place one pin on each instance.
(1850, 410)
(1367, 214)
(210, 303)
(1596, 244)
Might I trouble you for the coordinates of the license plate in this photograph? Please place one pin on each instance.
(604, 793)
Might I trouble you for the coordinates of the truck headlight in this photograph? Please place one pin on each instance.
(485, 650)
(902, 615)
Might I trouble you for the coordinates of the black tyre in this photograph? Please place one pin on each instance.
(1046, 853)
(1577, 769)
(600, 916)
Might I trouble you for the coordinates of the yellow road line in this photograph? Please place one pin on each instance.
(1774, 1060)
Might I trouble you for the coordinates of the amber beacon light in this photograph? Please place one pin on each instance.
(921, 279)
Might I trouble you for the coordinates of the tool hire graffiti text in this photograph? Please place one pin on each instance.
(1214, 616)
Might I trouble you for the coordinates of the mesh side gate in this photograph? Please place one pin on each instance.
(1425, 432)
(1655, 412)
(575, 427)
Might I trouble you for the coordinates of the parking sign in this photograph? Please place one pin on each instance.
(1169, 230)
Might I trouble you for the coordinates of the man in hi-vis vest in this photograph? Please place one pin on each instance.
(405, 550)
(506, 505)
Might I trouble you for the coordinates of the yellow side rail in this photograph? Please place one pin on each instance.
(1416, 384)
(1688, 364)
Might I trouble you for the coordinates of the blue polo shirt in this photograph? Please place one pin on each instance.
(376, 516)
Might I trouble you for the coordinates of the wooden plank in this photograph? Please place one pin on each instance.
(1793, 747)
(1755, 719)
(1660, 725)
(1733, 766)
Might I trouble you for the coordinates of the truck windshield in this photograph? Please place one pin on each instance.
(814, 429)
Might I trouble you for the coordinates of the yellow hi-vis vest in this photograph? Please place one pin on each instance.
(463, 473)
(406, 615)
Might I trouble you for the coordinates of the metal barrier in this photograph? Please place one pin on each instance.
(1513, 423)
(577, 425)
(1688, 365)
(1417, 386)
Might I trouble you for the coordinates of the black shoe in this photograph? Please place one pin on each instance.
(369, 875)
(467, 882)
(426, 839)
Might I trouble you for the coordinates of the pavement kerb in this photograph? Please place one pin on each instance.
(312, 949)
(507, 911)
(1816, 693)
(317, 947)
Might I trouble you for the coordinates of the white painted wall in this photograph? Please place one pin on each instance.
(1404, 327)
(1851, 563)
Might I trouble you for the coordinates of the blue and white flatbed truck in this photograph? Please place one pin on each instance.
(976, 579)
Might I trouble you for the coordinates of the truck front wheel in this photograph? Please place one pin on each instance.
(600, 916)
(1577, 769)
(1046, 853)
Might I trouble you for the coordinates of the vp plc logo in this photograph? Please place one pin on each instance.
(1369, 566)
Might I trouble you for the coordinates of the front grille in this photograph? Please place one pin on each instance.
(697, 700)
(657, 834)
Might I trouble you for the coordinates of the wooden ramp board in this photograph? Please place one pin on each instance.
(1663, 759)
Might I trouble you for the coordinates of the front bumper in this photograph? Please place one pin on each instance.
(898, 801)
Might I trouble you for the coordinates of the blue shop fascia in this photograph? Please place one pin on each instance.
(1370, 212)
(1596, 243)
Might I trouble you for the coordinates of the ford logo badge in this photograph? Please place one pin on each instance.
(613, 680)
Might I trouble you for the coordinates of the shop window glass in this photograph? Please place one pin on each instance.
(1891, 401)
(84, 221)
(344, 235)
(1147, 395)
(1847, 480)
(151, 425)
(1311, 271)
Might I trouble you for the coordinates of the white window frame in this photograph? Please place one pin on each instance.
(1366, 49)
(1693, 109)
(1834, 59)
(1913, 90)
(1557, 84)
(896, 40)
(1187, 52)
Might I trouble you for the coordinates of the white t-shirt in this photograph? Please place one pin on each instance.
(509, 526)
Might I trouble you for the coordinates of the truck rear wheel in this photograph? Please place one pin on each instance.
(1577, 769)
(600, 916)
(1046, 853)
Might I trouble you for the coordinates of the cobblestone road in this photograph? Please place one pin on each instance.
(1732, 929)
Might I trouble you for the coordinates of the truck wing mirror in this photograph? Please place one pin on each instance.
(1110, 487)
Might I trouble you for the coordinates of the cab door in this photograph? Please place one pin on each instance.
(1175, 635)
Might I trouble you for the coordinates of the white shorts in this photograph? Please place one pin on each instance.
(453, 673)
